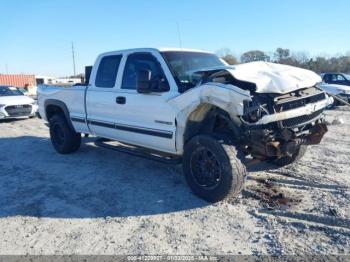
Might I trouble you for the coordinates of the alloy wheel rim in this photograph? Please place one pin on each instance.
(205, 168)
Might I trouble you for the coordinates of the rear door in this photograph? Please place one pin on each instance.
(100, 97)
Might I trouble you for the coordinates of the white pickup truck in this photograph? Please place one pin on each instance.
(190, 106)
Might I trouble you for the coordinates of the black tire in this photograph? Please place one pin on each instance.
(63, 138)
(221, 175)
(284, 161)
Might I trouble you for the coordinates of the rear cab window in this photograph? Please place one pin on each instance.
(107, 71)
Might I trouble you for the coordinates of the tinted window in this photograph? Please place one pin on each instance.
(107, 71)
(347, 77)
(137, 62)
(328, 78)
(10, 91)
(340, 78)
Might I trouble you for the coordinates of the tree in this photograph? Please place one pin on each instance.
(281, 54)
(230, 59)
(301, 57)
(319, 64)
(226, 55)
(254, 55)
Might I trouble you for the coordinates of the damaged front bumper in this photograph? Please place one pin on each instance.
(288, 147)
(307, 110)
(289, 121)
(267, 144)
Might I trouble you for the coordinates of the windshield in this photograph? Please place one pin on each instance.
(10, 91)
(347, 76)
(184, 64)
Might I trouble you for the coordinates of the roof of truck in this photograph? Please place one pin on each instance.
(167, 49)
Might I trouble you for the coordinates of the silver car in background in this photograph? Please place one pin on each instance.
(14, 104)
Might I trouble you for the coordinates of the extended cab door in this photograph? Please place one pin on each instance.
(101, 95)
(123, 114)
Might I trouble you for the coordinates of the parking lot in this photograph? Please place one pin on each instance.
(98, 201)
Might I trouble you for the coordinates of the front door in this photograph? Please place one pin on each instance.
(116, 110)
(144, 119)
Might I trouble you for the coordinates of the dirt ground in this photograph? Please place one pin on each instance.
(98, 201)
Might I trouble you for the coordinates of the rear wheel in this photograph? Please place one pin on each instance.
(63, 138)
(212, 168)
(287, 160)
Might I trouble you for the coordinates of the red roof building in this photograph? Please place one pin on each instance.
(17, 80)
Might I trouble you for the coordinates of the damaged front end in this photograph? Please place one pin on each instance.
(275, 125)
(268, 110)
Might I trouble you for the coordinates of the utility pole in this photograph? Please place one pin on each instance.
(73, 56)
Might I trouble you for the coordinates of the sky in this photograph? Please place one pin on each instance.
(36, 35)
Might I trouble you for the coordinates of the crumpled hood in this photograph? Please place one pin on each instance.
(274, 78)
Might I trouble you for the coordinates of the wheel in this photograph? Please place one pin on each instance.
(284, 161)
(212, 168)
(63, 138)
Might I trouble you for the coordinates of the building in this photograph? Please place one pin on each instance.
(27, 82)
(17, 80)
(30, 82)
(44, 80)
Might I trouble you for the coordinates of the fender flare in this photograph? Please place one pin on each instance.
(62, 106)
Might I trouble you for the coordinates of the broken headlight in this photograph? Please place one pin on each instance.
(253, 111)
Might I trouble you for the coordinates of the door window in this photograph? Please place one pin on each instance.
(340, 78)
(107, 71)
(137, 62)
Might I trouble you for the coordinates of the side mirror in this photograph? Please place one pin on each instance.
(144, 81)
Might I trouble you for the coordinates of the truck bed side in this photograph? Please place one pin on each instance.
(70, 100)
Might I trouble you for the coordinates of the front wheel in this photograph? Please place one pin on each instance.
(212, 168)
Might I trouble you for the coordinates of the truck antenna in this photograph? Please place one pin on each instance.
(73, 56)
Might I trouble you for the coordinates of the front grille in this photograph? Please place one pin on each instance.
(18, 110)
(300, 120)
(284, 106)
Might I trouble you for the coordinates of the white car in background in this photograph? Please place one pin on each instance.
(341, 91)
(14, 104)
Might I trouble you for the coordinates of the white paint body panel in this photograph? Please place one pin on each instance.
(72, 97)
(275, 78)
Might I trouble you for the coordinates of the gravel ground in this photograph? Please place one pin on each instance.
(98, 201)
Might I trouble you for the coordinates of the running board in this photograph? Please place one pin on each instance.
(137, 151)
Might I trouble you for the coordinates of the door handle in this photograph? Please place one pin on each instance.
(120, 100)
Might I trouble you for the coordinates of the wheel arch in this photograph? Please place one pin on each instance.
(54, 106)
(204, 118)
